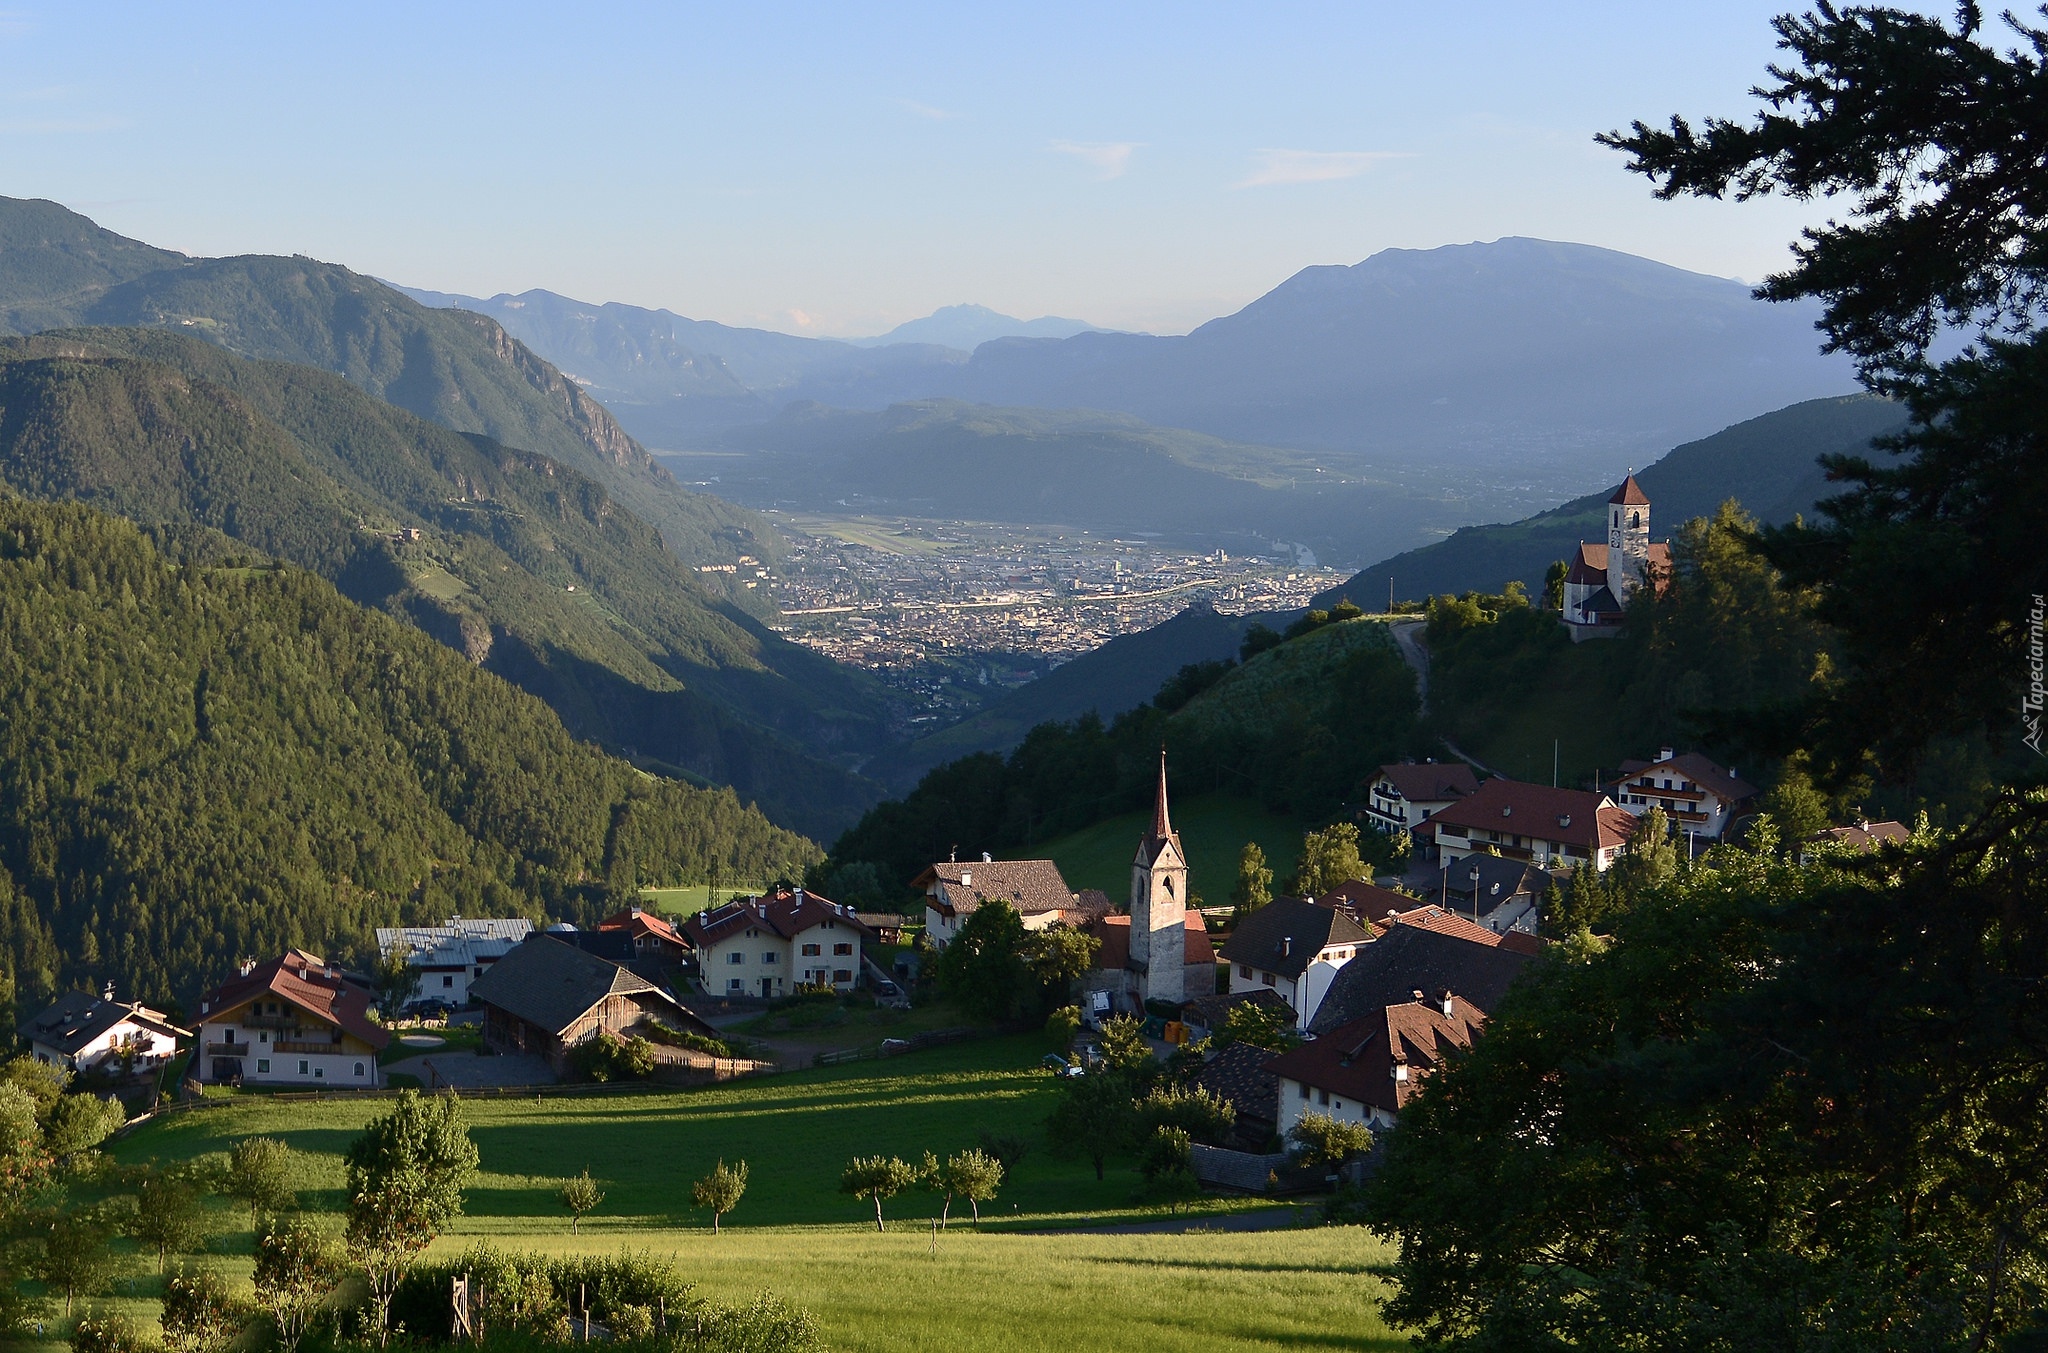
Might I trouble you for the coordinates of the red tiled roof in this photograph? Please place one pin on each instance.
(639, 922)
(1430, 781)
(1864, 835)
(1356, 1061)
(1589, 566)
(1630, 494)
(307, 982)
(787, 913)
(1574, 817)
(1115, 934)
(1450, 923)
(1705, 773)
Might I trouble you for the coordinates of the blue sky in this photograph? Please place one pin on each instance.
(839, 169)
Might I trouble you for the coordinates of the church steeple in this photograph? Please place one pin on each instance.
(1159, 891)
(1162, 824)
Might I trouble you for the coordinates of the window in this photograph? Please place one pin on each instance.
(842, 950)
(1323, 1097)
(1267, 978)
(319, 1073)
(737, 985)
(263, 1066)
(812, 950)
(842, 974)
(448, 980)
(263, 1036)
(1244, 970)
(769, 956)
(359, 1068)
(302, 1067)
(735, 957)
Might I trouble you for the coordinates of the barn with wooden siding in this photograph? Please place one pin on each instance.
(547, 997)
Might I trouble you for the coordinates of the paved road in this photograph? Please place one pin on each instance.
(468, 1069)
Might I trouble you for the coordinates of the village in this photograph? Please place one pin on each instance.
(1300, 1019)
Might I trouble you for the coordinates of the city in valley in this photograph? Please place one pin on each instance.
(935, 608)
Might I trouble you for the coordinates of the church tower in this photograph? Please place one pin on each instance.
(1628, 540)
(1159, 903)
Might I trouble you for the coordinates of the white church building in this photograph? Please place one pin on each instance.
(1603, 579)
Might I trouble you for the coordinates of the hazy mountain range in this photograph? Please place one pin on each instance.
(546, 544)
(1766, 464)
(1516, 356)
(967, 327)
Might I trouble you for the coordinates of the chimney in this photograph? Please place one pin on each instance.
(987, 858)
(1400, 1071)
(703, 918)
(1448, 1012)
(1286, 946)
(1663, 753)
(1419, 997)
(108, 994)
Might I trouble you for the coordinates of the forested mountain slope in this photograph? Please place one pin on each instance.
(455, 368)
(206, 756)
(1768, 464)
(1298, 726)
(528, 567)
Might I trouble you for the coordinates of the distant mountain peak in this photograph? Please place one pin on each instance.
(968, 326)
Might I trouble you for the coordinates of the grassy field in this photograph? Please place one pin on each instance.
(1214, 829)
(797, 1129)
(694, 897)
(1010, 1286)
(1572, 700)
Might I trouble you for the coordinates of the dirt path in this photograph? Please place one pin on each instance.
(1408, 639)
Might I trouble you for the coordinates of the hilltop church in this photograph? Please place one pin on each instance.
(1603, 579)
(1161, 950)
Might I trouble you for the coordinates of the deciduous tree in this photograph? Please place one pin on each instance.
(1328, 1141)
(405, 1176)
(1254, 886)
(580, 1194)
(169, 1216)
(259, 1172)
(200, 1313)
(720, 1191)
(878, 1178)
(1329, 858)
(296, 1271)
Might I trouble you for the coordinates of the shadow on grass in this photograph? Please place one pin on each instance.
(1237, 1266)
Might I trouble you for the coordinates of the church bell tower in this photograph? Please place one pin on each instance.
(1628, 539)
(1159, 905)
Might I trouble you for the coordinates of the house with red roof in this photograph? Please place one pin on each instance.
(292, 1021)
(1407, 794)
(1700, 797)
(1603, 579)
(1546, 826)
(653, 937)
(767, 946)
(1366, 1071)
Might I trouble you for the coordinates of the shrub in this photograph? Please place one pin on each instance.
(1328, 1141)
(1062, 1024)
(608, 1057)
(107, 1334)
(684, 1038)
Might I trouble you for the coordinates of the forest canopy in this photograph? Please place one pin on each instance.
(207, 755)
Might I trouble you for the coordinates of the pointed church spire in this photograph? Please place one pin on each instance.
(1162, 825)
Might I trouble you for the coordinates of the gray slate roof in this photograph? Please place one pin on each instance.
(1409, 958)
(76, 1018)
(551, 984)
(1260, 940)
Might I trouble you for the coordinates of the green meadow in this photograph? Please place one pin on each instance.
(1010, 1285)
(1213, 828)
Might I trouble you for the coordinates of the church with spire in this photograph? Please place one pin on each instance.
(1160, 950)
(1604, 579)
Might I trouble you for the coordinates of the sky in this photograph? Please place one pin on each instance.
(838, 169)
